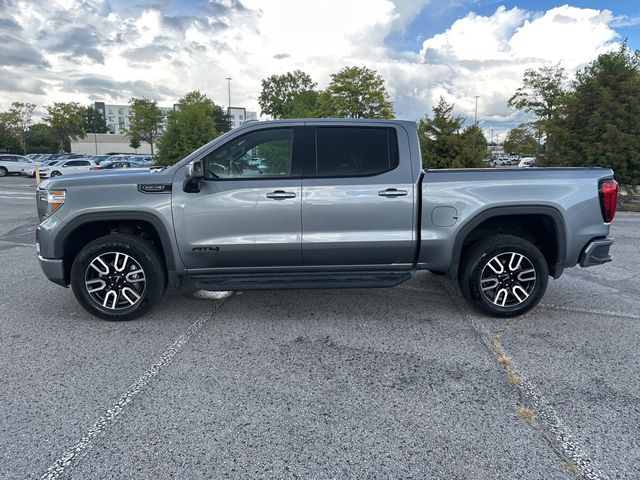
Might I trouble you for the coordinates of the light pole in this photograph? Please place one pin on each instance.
(475, 122)
(228, 79)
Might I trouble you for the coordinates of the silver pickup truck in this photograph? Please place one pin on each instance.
(319, 204)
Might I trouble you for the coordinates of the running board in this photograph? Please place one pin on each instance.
(300, 281)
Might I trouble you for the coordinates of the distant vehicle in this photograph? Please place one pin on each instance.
(98, 159)
(78, 165)
(116, 165)
(527, 162)
(13, 164)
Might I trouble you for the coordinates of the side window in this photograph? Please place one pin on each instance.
(259, 154)
(8, 159)
(83, 163)
(355, 151)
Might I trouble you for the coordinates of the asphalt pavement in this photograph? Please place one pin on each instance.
(406, 382)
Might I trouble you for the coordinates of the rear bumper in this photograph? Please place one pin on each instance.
(596, 252)
(53, 268)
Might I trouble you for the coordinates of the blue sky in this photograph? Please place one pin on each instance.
(437, 17)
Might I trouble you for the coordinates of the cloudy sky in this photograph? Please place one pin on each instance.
(111, 50)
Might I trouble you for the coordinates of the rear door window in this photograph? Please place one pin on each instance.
(355, 151)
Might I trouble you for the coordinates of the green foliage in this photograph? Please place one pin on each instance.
(473, 148)
(41, 139)
(191, 125)
(355, 92)
(290, 95)
(440, 136)
(601, 125)
(521, 141)
(94, 121)
(146, 120)
(9, 141)
(66, 120)
(221, 119)
(18, 119)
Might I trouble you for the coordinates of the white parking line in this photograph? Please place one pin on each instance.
(608, 313)
(70, 457)
(548, 422)
(16, 243)
(12, 197)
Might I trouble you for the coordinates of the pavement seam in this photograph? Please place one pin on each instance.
(73, 455)
(546, 421)
(609, 313)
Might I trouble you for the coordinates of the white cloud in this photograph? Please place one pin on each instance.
(92, 51)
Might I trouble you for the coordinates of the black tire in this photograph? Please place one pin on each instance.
(55, 173)
(141, 255)
(3, 171)
(522, 292)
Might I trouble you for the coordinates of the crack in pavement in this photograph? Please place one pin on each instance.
(545, 420)
(74, 454)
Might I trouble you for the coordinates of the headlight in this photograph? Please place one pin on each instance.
(50, 201)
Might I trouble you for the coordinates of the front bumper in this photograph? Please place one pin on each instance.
(53, 268)
(596, 252)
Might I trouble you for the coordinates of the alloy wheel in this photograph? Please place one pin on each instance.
(508, 279)
(115, 280)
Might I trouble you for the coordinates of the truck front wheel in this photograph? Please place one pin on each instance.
(503, 275)
(118, 276)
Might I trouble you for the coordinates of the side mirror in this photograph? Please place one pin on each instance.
(194, 173)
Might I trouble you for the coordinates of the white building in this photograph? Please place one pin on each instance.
(240, 115)
(104, 143)
(118, 117)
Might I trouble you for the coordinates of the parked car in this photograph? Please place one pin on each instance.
(116, 165)
(10, 163)
(341, 203)
(67, 167)
(527, 162)
(98, 159)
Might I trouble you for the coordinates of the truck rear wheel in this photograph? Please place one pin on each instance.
(504, 275)
(118, 276)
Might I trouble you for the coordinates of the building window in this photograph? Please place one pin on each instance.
(121, 111)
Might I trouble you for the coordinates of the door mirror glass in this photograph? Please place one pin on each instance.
(195, 170)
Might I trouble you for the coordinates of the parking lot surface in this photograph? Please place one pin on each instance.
(406, 382)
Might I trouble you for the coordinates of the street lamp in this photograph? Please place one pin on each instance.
(475, 122)
(228, 79)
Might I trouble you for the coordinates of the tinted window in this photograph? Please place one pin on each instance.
(355, 151)
(265, 153)
(7, 159)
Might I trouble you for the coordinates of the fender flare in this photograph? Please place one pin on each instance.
(511, 210)
(83, 219)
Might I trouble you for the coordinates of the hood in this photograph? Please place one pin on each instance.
(105, 178)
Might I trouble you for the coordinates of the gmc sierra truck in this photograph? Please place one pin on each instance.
(319, 203)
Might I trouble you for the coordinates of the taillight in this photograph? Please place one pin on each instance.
(608, 199)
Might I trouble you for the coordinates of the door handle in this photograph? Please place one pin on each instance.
(392, 192)
(281, 195)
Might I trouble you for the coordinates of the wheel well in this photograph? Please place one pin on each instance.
(539, 229)
(87, 232)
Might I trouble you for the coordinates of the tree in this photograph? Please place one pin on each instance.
(9, 141)
(146, 120)
(66, 120)
(521, 141)
(191, 125)
(602, 121)
(355, 92)
(221, 119)
(41, 139)
(18, 119)
(440, 136)
(473, 148)
(290, 95)
(543, 95)
(94, 121)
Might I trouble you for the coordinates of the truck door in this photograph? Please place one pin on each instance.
(247, 213)
(358, 197)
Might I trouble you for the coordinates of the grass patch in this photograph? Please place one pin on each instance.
(513, 378)
(570, 467)
(525, 413)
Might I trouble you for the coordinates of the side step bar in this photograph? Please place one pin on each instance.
(300, 281)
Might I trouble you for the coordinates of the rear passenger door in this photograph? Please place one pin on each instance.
(358, 197)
